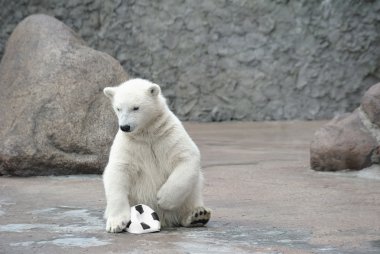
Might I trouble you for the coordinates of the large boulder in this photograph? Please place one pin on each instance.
(54, 118)
(351, 141)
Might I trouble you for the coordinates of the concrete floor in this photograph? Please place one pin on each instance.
(264, 197)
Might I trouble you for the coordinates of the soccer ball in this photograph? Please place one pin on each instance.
(143, 220)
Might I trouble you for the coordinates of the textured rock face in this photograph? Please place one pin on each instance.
(54, 117)
(232, 60)
(351, 141)
(371, 104)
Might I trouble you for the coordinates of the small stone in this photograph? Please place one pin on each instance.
(266, 24)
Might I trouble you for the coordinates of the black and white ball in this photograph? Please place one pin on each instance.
(143, 220)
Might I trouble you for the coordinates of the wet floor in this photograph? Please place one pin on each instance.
(264, 197)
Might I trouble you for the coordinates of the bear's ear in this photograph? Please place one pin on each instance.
(154, 90)
(109, 92)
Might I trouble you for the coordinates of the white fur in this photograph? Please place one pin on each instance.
(156, 164)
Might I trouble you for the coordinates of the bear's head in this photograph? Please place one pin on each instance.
(136, 103)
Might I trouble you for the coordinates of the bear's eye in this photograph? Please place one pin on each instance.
(135, 108)
(118, 109)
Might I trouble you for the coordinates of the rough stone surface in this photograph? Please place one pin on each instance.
(232, 60)
(371, 104)
(344, 143)
(261, 203)
(351, 141)
(54, 117)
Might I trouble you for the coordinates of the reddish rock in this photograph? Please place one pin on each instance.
(350, 141)
(343, 143)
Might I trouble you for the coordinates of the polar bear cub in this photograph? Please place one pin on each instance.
(153, 161)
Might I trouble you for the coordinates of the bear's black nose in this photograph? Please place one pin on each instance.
(125, 128)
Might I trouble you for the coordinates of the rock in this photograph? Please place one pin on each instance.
(371, 104)
(351, 141)
(343, 143)
(54, 117)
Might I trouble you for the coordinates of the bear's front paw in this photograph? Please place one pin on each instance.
(165, 202)
(116, 224)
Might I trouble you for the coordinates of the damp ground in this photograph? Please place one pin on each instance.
(265, 199)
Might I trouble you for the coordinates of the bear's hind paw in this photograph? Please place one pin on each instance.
(198, 217)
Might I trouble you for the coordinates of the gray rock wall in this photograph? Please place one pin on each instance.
(232, 60)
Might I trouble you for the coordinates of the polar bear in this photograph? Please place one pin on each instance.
(152, 161)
